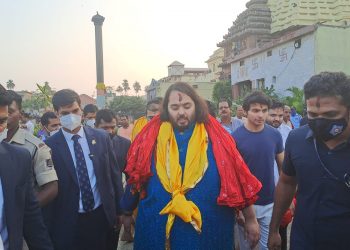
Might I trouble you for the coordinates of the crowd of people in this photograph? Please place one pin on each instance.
(179, 177)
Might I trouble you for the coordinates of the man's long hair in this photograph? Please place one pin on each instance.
(201, 109)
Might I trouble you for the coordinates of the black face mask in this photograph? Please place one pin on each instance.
(327, 129)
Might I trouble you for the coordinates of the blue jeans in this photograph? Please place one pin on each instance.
(263, 215)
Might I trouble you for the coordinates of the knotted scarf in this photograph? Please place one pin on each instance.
(174, 181)
(238, 188)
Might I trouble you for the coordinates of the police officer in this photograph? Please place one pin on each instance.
(45, 178)
(20, 214)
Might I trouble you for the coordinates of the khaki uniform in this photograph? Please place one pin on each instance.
(43, 168)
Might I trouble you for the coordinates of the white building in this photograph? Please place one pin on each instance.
(291, 59)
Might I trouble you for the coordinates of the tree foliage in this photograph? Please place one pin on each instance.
(222, 90)
(120, 89)
(131, 105)
(137, 87)
(41, 98)
(10, 84)
(270, 92)
(110, 90)
(126, 86)
(296, 99)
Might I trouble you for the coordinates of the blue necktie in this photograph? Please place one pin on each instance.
(83, 176)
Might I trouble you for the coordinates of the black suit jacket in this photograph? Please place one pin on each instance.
(22, 213)
(121, 147)
(62, 214)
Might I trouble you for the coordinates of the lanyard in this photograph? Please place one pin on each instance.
(346, 179)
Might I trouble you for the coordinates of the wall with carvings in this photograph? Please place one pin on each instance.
(287, 13)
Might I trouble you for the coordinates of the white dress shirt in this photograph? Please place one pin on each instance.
(284, 130)
(30, 127)
(90, 168)
(4, 243)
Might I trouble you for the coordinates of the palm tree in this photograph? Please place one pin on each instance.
(125, 85)
(120, 89)
(137, 87)
(48, 88)
(10, 84)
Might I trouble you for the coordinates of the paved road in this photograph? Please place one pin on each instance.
(123, 245)
(129, 246)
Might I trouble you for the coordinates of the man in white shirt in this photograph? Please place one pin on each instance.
(85, 211)
(275, 119)
(27, 124)
(286, 116)
(240, 113)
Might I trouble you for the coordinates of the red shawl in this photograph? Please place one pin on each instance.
(239, 187)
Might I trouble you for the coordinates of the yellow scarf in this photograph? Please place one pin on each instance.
(138, 126)
(170, 175)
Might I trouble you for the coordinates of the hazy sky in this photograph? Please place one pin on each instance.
(54, 40)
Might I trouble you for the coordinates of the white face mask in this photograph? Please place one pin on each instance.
(70, 121)
(90, 123)
(53, 132)
(3, 134)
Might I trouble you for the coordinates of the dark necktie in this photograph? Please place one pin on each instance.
(83, 176)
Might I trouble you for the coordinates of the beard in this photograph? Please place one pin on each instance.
(274, 124)
(180, 123)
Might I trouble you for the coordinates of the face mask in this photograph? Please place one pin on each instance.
(3, 134)
(327, 129)
(54, 132)
(90, 123)
(70, 121)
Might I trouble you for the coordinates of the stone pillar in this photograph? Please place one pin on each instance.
(100, 86)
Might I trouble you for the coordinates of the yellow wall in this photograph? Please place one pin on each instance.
(332, 49)
(213, 63)
(286, 13)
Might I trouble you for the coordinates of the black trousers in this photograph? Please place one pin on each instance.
(94, 231)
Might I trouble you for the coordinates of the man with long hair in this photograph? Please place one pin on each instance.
(187, 178)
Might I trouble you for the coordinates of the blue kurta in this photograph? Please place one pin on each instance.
(218, 221)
